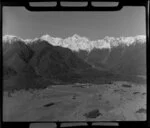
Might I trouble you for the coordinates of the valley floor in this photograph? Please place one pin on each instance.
(117, 101)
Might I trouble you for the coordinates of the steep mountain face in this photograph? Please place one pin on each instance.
(16, 46)
(54, 62)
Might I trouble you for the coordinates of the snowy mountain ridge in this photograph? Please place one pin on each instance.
(77, 43)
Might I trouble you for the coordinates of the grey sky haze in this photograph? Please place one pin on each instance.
(130, 21)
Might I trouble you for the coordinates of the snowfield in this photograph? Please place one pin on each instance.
(117, 101)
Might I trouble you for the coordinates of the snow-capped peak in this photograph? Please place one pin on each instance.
(11, 38)
(46, 37)
(76, 37)
(141, 38)
(52, 40)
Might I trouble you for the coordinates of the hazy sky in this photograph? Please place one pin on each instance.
(130, 21)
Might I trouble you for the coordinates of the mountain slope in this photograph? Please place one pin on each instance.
(16, 56)
(37, 64)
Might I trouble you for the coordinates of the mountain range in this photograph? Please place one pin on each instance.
(39, 62)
